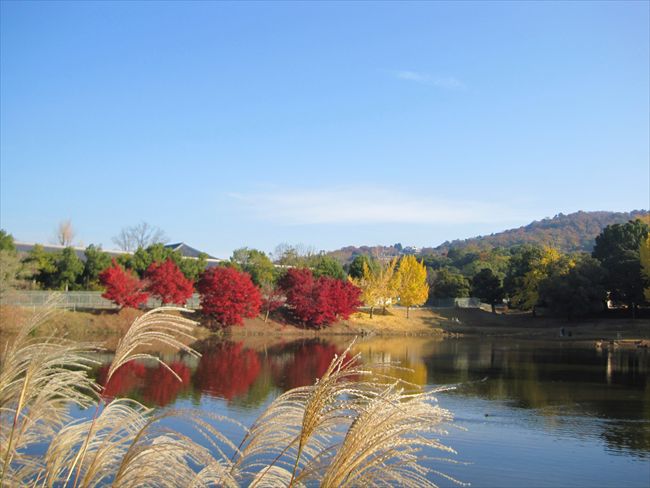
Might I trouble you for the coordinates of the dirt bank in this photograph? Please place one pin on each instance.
(107, 327)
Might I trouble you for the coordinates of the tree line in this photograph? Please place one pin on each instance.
(315, 289)
(567, 284)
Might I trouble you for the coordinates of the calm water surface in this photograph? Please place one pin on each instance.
(532, 414)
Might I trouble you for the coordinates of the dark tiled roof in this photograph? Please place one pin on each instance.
(186, 251)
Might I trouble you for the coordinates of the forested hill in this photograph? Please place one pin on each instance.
(572, 232)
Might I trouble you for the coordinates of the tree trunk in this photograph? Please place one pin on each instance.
(371, 310)
(494, 308)
(407, 312)
(633, 310)
(266, 315)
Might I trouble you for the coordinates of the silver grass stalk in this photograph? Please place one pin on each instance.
(349, 428)
(39, 379)
(157, 326)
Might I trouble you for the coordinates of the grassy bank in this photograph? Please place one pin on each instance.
(109, 326)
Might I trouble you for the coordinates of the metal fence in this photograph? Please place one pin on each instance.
(93, 300)
(76, 300)
(470, 302)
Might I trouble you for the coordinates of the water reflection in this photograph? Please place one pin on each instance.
(152, 385)
(227, 370)
(581, 390)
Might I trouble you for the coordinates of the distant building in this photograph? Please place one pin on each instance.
(184, 250)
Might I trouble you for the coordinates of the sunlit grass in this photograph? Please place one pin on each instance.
(351, 428)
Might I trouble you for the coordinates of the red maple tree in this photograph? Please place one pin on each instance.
(228, 295)
(122, 287)
(167, 282)
(318, 302)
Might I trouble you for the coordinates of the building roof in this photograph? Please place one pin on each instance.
(25, 247)
(188, 251)
(185, 250)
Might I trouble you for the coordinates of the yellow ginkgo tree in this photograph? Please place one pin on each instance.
(378, 287)
(411, 283)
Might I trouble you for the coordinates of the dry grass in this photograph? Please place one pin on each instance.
(420, 322)
(349, 429)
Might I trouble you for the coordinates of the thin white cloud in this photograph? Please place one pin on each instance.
(448, 82)
(367, 205)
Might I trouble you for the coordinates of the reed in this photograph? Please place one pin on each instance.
(350, 428)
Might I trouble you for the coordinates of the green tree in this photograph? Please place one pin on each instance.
(355, 270)
(96, 262)
(549, 263)
(617, 248)
(644, 255)
(412, 284)
(255, 263)
(68, 269)
(323, 265)
(519, 265)
(192, 268)
(447, 284)
(576, 293)
(487, 286)
(42, 265)
(6, 241)
(10, 267)
(143, 257)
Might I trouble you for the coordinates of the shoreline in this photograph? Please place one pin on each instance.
(441, 323)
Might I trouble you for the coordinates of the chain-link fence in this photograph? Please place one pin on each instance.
(471, 302)
(76, 300)
(92, 300)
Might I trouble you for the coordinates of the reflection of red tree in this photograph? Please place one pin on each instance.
(128, 378)
(228, 370)
(161, 387)
(309, 362)
(156, 385)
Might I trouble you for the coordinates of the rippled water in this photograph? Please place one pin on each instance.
(532, 414)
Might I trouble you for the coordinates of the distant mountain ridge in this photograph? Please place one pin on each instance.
(569, 233)
(573, 232)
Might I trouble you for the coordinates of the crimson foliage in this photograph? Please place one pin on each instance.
(228, 295)
(167, 282)
(122, 287)
(319, 302)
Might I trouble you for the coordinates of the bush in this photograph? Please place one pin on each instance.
(167, 282)
(228, 295)
(122, 287)
(318, 302)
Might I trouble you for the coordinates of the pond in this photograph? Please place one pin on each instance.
(532, 414)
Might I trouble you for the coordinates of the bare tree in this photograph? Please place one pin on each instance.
(65, 233)
(140, 235)
(293, 255)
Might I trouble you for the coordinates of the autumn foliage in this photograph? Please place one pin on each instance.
(228, 295)
(122, 287)
(167, 282)
(321, 301)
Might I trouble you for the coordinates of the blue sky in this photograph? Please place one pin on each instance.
(326, 124)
